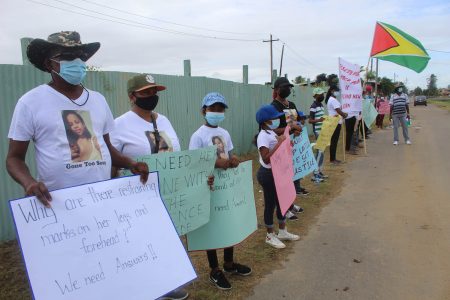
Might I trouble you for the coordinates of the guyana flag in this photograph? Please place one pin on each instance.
(394, 45)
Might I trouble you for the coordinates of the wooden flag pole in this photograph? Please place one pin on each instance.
(343, 138)
(364, 134)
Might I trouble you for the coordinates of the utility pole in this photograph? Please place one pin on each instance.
(281, 62)
(271, 55)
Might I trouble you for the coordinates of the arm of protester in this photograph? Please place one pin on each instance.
(295, 129)
(266, 153)
(407, 110)
(234, 160)
(17, 168)
(114, 172)
(341, 113)
(121, 161)
(222, 163)
(211, 182)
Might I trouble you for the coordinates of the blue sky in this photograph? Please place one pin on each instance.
(316, 34)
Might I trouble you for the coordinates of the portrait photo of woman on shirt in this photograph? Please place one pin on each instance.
(83, 144)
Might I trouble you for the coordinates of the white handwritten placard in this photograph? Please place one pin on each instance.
(107, 240)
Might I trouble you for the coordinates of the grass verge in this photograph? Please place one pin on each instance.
(445, 104)
(253, 251)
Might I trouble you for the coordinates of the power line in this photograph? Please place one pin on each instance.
(165, 21)
(438, 51)
(138, 24)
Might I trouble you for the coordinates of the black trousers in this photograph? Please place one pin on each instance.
(349, 129)
(265, 179)
(334, 142)
(212, 257)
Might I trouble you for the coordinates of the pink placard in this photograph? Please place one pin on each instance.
(283, 171)
(384, 108)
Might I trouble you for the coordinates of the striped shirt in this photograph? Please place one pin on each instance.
(316, 112)
(398, 103)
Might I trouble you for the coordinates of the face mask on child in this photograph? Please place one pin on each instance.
(214, 118)
(275, 124)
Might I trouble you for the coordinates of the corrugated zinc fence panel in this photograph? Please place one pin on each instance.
(181, 103)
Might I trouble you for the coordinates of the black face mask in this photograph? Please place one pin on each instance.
(284, 92)
(320, 98)
(147, 103)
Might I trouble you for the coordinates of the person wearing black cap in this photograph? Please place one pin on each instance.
(334, 109)
(39, 116)
(281, 91)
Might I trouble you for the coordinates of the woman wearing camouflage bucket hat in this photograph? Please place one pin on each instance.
(39, 116)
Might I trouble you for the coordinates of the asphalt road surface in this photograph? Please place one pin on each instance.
(387, 235)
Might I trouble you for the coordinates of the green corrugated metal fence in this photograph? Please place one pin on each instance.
(180, 103)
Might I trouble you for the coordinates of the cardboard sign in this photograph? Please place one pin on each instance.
(108, 240)
(303, 157)
(384, 108)
(233, 212)
(184, 190)
(328, 127)
(283, 172)
(369, 113)
(350, 85)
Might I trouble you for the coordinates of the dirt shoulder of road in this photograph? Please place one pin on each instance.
(444, 104)
(253, 251)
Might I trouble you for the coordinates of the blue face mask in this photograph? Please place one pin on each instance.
(275, 124)
(336, 94)
(72, 71)
(214, 118)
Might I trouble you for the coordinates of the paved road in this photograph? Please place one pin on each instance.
(393, 216)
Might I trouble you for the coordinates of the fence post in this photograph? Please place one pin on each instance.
(187, 68)
(24, 42)
(245, 74)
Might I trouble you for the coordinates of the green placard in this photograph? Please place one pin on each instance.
(369, 112)
(233, 212)
(183, 184)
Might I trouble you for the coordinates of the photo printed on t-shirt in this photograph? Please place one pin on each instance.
(81, 138)
(165, 143)
(219, 141)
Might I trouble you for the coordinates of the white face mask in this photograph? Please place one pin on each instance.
(400, 90)
(336, 94)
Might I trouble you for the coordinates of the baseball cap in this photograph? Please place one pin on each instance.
(267, 112)
(282, 81)
(141, 82)
(318, 91)
(212, 98)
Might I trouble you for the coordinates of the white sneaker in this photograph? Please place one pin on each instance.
(273, 241)
(408, 142)
(395, 143)
(284, 235)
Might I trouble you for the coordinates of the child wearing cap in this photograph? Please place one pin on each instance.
(213, 110)
(267, 141)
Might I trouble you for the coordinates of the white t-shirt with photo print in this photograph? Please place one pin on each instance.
(208, 136)
(134, 136)
(68, 152)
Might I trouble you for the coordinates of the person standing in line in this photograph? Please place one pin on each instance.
(213, 110)
(316, 113)
(267, 142)
(335, 110)
(380, 117)
(142, 131)
(399, 113)
(39, 117)
(281, 91)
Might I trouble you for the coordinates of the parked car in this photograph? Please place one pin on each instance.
(420, 100)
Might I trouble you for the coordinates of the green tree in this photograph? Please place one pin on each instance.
(332, 79)
(431, 86)
(386, 86)
(299, 79)
(418, 91)
(321, 78)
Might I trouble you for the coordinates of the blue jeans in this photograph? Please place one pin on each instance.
(400, 120)
(265, 179)
(319, 157)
